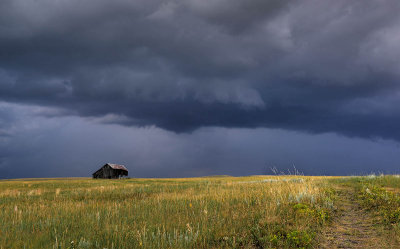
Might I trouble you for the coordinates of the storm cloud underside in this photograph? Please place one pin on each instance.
(182, 67)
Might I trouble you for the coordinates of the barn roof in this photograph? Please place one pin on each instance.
(117, 166)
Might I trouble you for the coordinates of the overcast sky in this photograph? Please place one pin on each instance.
(174, 88)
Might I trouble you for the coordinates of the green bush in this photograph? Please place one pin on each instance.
(392, 216)
(378, 199)
(299, 239)
(321, 215)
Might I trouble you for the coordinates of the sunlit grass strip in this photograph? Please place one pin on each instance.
(202, 212)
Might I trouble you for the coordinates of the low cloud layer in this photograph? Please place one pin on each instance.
(42, 145)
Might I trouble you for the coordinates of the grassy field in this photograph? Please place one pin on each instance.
(209, 212)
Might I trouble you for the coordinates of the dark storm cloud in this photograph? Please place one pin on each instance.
(73, 146)
(315, 66)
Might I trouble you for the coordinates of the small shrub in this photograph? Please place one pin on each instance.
(301, 239)
(378, 199)
(392, 216)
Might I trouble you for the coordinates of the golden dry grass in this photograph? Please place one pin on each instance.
(214, 212)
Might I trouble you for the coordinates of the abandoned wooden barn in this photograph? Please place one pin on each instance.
(111, 171)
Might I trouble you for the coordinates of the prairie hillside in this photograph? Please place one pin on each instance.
(206, 212)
